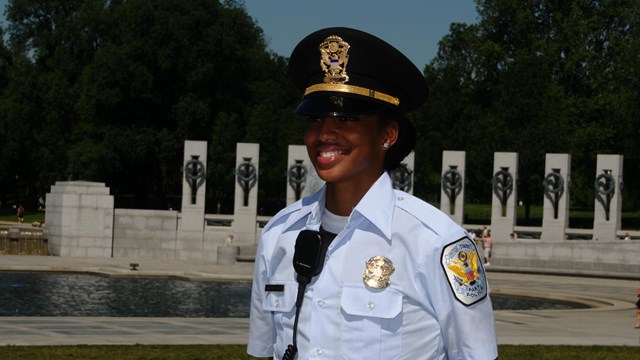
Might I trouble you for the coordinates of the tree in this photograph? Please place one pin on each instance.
(109, 90)
(539, 77)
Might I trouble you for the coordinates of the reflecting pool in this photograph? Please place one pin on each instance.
(67, 294)
(77, 294)
(510, 302)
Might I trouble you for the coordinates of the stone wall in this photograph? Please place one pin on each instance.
(145, 233)
(604, 258)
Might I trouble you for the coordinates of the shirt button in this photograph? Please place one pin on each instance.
(320, 303)
(319, 352)
(371, 305)
(400, 198)
(276, 303)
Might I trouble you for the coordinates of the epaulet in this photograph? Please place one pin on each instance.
(283, 215)
(424, 212)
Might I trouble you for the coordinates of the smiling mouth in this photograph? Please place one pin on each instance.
(330, 154)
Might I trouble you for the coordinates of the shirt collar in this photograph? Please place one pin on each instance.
(378, 204)
(311, 207)
(376, 207)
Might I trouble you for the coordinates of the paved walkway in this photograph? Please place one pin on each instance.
(610, 322)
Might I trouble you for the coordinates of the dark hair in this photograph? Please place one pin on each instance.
(405, 143)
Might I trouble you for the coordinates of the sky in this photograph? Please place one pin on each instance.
(412, 26)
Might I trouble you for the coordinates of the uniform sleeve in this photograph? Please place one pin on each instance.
(261, 328)
(468, 329)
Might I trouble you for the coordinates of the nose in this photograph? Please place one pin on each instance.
(327, 128)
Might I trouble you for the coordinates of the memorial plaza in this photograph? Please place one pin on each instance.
(609, 321)
(86, 234)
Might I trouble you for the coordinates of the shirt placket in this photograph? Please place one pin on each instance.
(325, 316)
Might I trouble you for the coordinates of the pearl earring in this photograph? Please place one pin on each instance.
(385, 145)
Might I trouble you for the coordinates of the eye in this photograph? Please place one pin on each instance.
(347, 118)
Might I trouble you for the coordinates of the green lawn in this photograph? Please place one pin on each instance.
(8, 214)
(479, 214)
(237, 352)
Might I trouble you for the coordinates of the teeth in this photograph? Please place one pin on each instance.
(329, 153)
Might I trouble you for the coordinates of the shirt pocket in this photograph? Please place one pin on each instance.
(282, 305)
(371, 322)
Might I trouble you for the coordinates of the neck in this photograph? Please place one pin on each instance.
(341, 198)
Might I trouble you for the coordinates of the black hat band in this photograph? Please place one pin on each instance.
(352, 89)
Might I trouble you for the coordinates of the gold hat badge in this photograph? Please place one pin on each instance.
(378, 273)
(334, 58)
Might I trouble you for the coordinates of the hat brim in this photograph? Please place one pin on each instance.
(333, 105)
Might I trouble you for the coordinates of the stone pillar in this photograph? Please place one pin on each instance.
(246, 194)
(608, 202)
(302, 178)
(504, 188)
(452, 184)
(402, 176)
(80, 219)
(190, 239)
(555, 216)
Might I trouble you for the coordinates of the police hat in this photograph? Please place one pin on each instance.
(347, 72)
(344, 72)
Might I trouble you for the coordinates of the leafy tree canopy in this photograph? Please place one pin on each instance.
(109, 90)
(536, 77)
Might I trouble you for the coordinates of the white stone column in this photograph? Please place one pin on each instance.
(504, 189)
(301, 173)
(402, 176)
(246, 193)
(608, 202)
(80, 219)
(190, 239)
(452, 184)
(555, 216)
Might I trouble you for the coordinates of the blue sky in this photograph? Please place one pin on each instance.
(412, 26)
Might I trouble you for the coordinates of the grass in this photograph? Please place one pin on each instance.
(8, 214)
(238, 352)
(480, 214)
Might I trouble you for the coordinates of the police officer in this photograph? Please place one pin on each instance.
(397, 278)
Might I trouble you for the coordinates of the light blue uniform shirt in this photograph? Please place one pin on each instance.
(430, 310)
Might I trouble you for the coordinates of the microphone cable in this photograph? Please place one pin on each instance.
(308, 259)
(292, 349)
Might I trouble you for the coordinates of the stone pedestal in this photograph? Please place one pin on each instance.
(504, 188)
(245, 210)
(452, 184)
(555, 217)
(302, 179)
(80, 219)
(190, 238)
(608, 202)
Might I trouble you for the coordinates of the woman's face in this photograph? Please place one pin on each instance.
(349, 149)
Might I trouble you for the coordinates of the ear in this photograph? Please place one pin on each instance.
(391, 133)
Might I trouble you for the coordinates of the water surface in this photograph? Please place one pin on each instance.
(77, 294)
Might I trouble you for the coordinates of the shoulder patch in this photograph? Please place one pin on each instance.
(464, 271)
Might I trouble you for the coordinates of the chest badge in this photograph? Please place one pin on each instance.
(378, 273)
